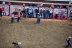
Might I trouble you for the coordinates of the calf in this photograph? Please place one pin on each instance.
(17, 43)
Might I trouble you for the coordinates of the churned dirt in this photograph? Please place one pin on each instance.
(50, 33)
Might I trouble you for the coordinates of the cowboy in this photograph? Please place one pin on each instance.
(36, 12)
(68, 41)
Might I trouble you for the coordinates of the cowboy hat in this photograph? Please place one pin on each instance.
(69, 37)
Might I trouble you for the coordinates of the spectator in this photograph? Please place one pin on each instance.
(36, 11)
(50, 13)
(62, 14)
(30, 12)
(24, 13)
(56, 13)
(12, 17)
(44, 13)
(1, 12)
(41, 12)
(48, 16)
(19, 15)
(38, 18)
(27, 12)
(4, 13)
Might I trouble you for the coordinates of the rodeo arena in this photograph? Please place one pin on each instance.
(36, 24)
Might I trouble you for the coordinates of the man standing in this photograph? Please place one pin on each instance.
(18, 15)
(24, 13)
(30, 13)
(38, 18)
(50, 10)
(48, 13)
(56, 13)
(62, 14)
(44, 13)
(68, 41)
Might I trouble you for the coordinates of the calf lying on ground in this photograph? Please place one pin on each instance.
(17, 43)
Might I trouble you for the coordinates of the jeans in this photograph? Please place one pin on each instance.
(36, 15)
(18, 19)
(61, 17)
(12, 20)
(47, 16)
(68, 44)
(56, 16)
(38, 20)
(1, 14)
(30, 15)
(24, 15)
(44, 15)
(50, 16)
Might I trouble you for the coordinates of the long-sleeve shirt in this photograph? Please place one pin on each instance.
(30, 11)
(68, 39)
(36, 10)
(56, 11)
(50, 10)
(44, 11)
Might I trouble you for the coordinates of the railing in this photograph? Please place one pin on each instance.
(36, 2)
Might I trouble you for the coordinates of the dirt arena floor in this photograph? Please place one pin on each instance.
(51, 33)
